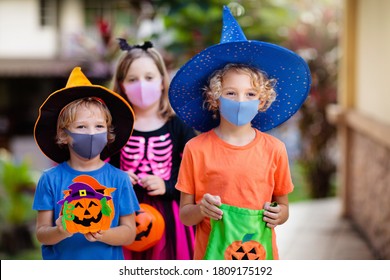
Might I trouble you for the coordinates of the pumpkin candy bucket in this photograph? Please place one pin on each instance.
(150, 228)
(91, 181)
(85, 210)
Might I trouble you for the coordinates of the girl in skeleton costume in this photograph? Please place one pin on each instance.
(152, 155)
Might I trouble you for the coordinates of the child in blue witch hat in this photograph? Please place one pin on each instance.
(233, 92)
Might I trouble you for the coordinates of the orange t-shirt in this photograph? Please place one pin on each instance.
(243, 176)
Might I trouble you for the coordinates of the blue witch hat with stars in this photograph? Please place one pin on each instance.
(291, 72)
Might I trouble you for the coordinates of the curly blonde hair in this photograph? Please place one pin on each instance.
(68, 116)
(260, 81)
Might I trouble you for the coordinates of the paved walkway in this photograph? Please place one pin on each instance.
(316, 231)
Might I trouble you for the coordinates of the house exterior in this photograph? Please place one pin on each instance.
(41, 41)
(363, 120)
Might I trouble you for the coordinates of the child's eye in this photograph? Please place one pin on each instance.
(252, 94)
(80, 126)
(130, 80)
(149, 78)
(231, 93)
(100, 126)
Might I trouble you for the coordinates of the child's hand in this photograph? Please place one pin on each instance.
(94, 236)
(133, 177)
(271, 214)
(61, 228)
(209, 206)
(153, 184)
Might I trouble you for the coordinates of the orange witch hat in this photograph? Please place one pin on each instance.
(78, 86)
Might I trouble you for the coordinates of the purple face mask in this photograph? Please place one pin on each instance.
(143, 93)
(88, 145)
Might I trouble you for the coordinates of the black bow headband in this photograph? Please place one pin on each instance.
(124, 46)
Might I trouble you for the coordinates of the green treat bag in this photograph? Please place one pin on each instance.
(241, 234)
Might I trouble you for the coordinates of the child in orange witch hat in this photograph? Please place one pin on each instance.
(79, 127)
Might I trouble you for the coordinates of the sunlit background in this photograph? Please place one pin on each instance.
(42, 40)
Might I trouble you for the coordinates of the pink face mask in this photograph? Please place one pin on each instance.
(143, 93)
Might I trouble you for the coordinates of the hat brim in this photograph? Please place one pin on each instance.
(45, 129)
(290, 70)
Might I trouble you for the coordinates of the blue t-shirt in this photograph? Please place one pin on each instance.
(50, 189)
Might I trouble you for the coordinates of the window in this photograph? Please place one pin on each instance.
(48, 12)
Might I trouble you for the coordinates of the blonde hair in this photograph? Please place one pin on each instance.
(213, 91)
(68, 116)
(125, 61)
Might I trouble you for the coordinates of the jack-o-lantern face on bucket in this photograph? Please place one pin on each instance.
(150, 228)
(85, 210)
(90, 181)
(245, 250)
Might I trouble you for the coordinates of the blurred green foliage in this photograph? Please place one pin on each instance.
(16, 191)
(17, 187)
(196, 25)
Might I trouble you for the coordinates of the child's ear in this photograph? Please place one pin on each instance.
(218, 101)
(162, 85)
(121, 86)
(63, 137)
(262, 104)
(67, 140)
